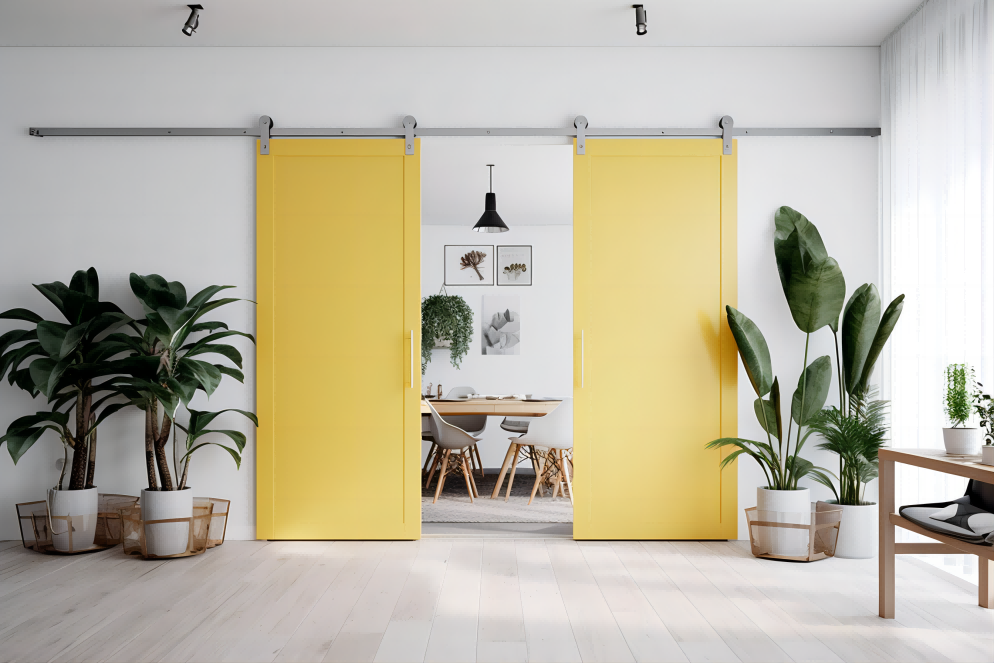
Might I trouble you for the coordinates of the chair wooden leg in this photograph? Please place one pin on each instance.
(465, 475)
(434, 466)
(428, 459)
(514, 467)
(569, 482)
(512, 452)
(479, 461)
(535, 466)
(538, 479)
(441, 476)
(472, 480)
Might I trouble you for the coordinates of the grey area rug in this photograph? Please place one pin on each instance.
(454, 506)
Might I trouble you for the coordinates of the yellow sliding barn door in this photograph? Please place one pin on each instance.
(655, 369)
(339, 321)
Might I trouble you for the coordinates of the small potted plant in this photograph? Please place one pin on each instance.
(446, 322)
(958, 401)
(984, 407)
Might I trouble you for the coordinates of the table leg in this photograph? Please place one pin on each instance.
(986, 595)
(886, 560)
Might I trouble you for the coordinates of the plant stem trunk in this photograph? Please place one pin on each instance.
(800, 414)
(838, 369)
(77, 477)
(65, 461)
(150, 445)
(92, 465)
(161, 458)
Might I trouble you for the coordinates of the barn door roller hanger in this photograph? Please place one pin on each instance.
(409, 130)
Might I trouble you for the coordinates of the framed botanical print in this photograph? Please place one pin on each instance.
(514, 265)
(469, 265)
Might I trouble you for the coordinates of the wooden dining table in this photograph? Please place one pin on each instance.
(506, 407)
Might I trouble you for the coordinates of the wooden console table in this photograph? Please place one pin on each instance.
(932, 459)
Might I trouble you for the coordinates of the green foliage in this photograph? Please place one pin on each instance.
(197, 429)
(445, 318)
(70, 365)
(815, 290)
(856, 435)
(961, 393)
(983, 405)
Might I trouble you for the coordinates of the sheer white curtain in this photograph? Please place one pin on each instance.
(937, 218)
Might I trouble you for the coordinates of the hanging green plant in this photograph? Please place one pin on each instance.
(445, 318)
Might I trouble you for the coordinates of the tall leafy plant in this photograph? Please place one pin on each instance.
(166, 368)
(856, 428)
(70, 366)
(445, 318)
(815, 290)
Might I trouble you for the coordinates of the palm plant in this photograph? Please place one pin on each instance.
(71, 368)
(856, 436)
(163, 369)
(815, 290)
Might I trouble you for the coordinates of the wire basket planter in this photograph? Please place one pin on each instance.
(135, 532)
(37, 525)
(812, 536)
(219, 520)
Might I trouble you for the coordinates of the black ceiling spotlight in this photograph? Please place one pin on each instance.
(491, 222)
(639, 19)
(193, 22)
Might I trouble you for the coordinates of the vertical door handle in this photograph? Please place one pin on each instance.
(412, 359)
(582, 357)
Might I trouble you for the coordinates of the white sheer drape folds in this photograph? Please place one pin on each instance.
(937, 219)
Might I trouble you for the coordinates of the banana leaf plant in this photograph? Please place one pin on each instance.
(815, 290)
(856, 429)
(165, 366)
(70, 366)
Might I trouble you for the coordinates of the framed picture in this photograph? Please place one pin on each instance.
(514, 265)
(469, 265)
(501, 325)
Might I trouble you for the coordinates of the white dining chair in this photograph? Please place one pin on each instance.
(474, 424)
(553, 432)
(453, 445)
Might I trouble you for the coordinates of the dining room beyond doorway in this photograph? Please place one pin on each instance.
(511, 362)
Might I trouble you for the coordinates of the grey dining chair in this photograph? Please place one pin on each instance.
(474, 424)
(453, 448)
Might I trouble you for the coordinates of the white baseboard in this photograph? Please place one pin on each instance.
(240, 533)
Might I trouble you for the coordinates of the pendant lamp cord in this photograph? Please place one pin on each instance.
(491, 167)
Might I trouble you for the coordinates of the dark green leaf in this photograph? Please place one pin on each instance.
(109, 410)
(767, 419)
(217, 348)
(21, 441)
(51, 336)
(16, 336)
(813, 386)
(815, 297)
(859, 325)
(234, 454)
(206, 374)
(887, 324)
(796, 244)
(775, 402)
(86, 282)
(207, 326)
(753, 349)
(21, 314)
(205, 295)
(233, 372)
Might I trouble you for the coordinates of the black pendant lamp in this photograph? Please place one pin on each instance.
(491, 222)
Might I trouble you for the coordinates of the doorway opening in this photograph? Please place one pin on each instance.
(517, 287)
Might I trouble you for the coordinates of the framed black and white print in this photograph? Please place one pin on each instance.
(514, 265)
(469, 264)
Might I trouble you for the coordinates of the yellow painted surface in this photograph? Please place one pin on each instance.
(655, 363)
(338, 242)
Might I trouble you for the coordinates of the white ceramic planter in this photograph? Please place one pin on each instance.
(784, 506)
(81, 506)
(167, 538)
(858, 534)
(987, 454)
(962, 441)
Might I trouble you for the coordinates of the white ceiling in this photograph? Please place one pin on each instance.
(451, 23)
(533, 183)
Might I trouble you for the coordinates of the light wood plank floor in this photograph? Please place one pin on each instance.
(478, 600)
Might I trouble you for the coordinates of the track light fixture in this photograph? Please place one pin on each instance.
(193, 22)
(490, 222)
(639, 19)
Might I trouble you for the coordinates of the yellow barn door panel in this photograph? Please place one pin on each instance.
(654, 235)
(338, 235)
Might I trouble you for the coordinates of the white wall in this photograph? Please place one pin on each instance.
(185, 207)
(545, 365)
